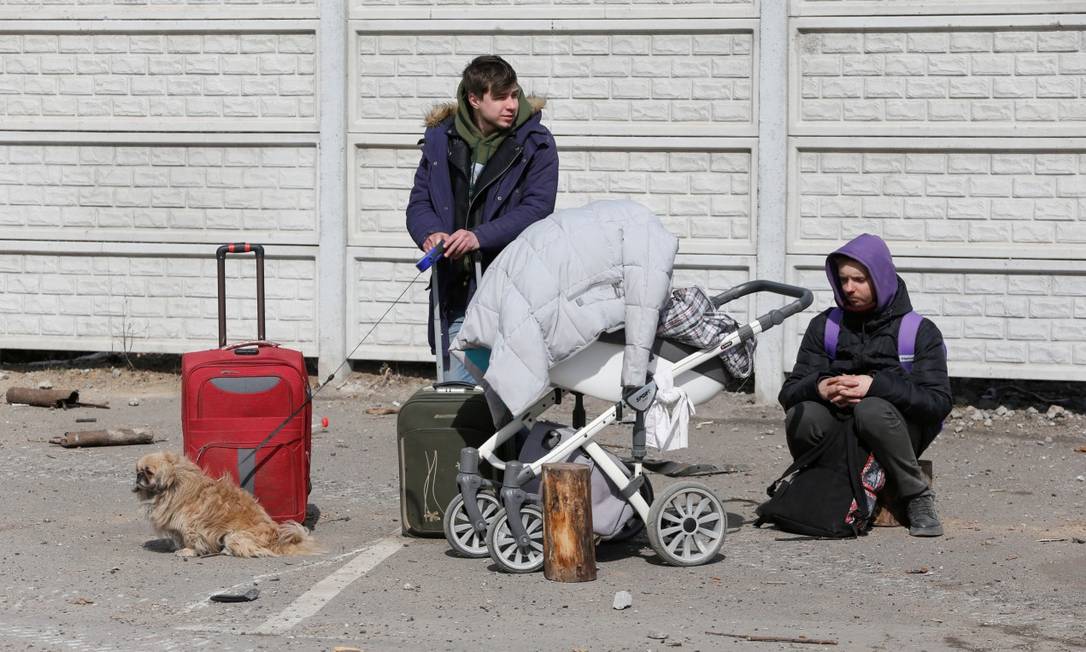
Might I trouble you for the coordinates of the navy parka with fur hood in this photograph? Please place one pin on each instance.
(867, 344)
(523, 193)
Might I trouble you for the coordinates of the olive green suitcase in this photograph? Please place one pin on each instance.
(432, 427)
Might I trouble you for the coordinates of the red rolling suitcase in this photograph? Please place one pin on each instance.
(235, 405)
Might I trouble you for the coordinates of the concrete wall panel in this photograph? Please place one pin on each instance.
(653, 81)
(999, 320)
(702, 194)
(965, 199)
(154, 192)
(152, 77)
(83, 299)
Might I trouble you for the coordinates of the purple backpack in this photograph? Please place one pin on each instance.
(906, 336)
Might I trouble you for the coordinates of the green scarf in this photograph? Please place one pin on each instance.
(483, 147)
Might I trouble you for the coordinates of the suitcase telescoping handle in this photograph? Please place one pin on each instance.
(220, 255)
(429, 262)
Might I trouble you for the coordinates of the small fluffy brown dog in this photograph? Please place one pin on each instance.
(204, 516)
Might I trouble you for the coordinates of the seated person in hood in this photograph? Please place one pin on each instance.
(862, 384)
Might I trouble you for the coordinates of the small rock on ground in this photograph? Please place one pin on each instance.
(623, 599)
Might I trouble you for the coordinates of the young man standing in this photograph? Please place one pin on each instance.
(489, 169)
(862, 384)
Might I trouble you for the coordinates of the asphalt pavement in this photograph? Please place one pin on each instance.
(81, 569)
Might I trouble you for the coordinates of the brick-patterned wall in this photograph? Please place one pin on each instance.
(956, 130)
(954, 79)
(138, 303)
(628, 83)
(699, 195)
(865, 90)
(382, 178)
(956, 140)
(657, 108)
(584, 9)
(52, 5)
(931, 7)
(30, 7)
(50, 79)
(360, 6)
(112, 201)
(1017, 199)
(375, 284)
(157, 192)
(995, 323)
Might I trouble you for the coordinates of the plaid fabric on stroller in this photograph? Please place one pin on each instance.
(686, 523)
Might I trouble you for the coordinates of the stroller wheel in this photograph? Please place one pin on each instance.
(686, 524)
(503, 548)
(460, 534)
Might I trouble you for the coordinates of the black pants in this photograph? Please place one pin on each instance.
(879, 426)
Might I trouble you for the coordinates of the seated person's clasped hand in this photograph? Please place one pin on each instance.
(844, 391)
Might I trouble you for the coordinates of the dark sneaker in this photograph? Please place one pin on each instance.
(923, 521)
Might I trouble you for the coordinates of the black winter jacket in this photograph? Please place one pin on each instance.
(867, 345)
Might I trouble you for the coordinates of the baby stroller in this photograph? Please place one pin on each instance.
(686, 523)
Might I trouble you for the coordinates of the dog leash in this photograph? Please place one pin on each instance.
(422, 265)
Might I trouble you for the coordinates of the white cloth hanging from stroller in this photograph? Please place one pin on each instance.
(667, 420)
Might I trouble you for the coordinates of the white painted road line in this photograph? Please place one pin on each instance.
(323, 591)
(54, 638)
(205, 602)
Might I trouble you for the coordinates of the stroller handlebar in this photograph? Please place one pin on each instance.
(803, 299)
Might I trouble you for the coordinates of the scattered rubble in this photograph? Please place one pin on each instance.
(113, 437)
(971, 417)
(50, 398)
(382, 410)
(1057, 412)
(623, 600)
(236, 596)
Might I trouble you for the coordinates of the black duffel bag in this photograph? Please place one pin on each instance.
(828, 492)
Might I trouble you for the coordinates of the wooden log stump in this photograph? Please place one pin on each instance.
(568, 551)
(889, 509)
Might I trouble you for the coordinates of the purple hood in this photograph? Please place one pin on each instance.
(870, 251)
